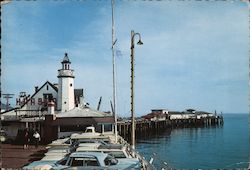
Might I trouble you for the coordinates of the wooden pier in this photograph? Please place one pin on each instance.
(144, 127)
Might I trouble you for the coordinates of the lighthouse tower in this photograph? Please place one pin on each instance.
(66, 100)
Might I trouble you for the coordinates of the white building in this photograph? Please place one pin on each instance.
(64, 103)
(62, 94)
(189, 114)
(157, 115)
(66, 98)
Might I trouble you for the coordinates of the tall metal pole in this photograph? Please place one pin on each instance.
(132, 93)
(133, 123)
(114, 68)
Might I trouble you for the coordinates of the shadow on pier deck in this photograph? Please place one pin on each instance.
(15, 157)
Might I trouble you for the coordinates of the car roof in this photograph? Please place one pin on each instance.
(52, 157)
(88, 154)
(111, 146)
(79, 149)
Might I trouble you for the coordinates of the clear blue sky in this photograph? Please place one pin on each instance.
(195, 54)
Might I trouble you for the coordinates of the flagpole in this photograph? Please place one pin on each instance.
(114, 68)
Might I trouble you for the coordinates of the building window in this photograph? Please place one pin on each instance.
(70, 84)
(47, 97)
(47, 87)
(65, 102)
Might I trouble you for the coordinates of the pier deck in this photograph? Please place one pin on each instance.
(153, 126)
(15, 157)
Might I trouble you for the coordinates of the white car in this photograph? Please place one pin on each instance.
(117, 151)
(46, 163)
(96, 160)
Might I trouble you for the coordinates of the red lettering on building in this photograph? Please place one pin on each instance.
(40, 101)
(32, 101)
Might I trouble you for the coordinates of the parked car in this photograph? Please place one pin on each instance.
(96, 160)
(116, 150)
(46, 163)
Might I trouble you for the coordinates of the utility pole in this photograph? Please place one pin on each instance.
(7, 97)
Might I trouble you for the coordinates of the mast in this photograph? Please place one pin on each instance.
(114, 68)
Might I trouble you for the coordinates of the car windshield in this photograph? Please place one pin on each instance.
(116, 154)
(62, 161)
(84, 161)
(89, 130)
(110, 160)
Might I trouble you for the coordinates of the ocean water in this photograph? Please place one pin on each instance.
(220, 147)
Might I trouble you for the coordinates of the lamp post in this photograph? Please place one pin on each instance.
(132, 87)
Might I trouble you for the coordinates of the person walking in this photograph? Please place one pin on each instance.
(37, 138)
(26, 139)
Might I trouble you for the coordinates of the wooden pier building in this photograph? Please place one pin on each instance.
(159, 120)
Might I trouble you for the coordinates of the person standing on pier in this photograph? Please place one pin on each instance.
(26, 139)
(37, 138)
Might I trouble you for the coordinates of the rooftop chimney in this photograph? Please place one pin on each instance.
(51, 108)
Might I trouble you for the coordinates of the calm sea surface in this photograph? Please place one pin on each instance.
(222, 147)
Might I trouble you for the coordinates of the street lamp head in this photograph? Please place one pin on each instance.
(140, 42)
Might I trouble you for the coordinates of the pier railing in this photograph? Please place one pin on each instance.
(146, 165)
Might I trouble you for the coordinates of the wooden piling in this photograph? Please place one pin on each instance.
(147, 127)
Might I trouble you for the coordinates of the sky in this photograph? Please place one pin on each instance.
(195, 53)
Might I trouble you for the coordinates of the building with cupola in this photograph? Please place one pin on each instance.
(66, 77)
(55, 109)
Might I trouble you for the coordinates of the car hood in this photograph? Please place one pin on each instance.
(38, 165)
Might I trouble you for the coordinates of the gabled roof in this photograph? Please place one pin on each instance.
(154, 114)
(47, 82)
(78, 92)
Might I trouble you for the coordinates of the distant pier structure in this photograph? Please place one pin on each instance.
(160, 120)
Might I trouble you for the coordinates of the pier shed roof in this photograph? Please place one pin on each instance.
(83, 121)
(175, 112)
(83, 112)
